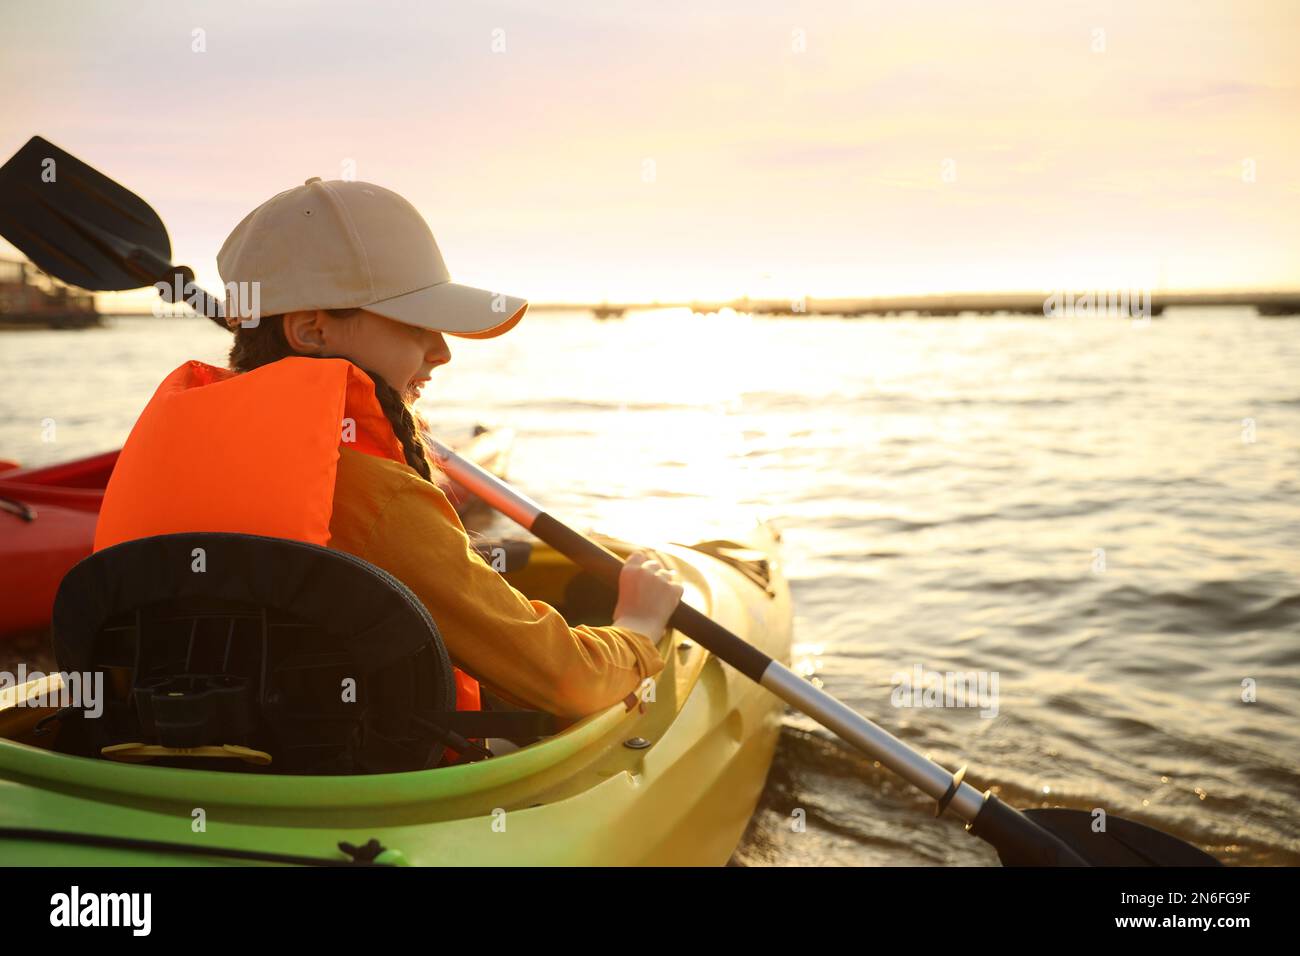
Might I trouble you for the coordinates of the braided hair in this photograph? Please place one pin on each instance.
(266, 343)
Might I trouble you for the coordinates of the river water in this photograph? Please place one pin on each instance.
(1101, 513)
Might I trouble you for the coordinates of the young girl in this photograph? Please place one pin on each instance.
(339, 300)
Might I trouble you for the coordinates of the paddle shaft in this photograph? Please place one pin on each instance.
(1003, 826)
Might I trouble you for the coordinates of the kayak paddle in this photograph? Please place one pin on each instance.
(83, 228)
(91, 232)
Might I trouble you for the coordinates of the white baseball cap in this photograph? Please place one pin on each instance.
(344, 244)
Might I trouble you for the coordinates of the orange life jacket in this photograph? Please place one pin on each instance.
(249, 453)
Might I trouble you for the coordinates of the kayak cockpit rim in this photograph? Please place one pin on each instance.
(545, 764)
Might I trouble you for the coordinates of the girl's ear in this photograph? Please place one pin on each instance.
(305, 331)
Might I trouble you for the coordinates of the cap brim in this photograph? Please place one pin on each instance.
(455, 309)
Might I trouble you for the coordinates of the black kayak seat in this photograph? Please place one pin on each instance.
(288, 656)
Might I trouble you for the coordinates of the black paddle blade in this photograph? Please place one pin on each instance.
(77, 224)
(1124, 843)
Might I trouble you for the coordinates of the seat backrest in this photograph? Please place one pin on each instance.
(301, 658)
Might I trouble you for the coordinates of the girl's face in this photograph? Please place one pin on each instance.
(405, 356)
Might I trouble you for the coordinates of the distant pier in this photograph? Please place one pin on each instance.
(978, 303)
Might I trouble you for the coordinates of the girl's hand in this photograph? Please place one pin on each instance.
(648, 593)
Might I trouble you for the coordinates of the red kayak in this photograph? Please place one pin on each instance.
(48, 515)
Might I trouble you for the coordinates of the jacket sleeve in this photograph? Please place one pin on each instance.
(521, 647)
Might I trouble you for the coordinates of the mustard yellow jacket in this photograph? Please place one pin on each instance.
(519, 648)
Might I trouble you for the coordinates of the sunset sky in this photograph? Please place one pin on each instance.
(664, 151)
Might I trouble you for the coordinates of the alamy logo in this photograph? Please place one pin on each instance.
(243, 299)
(1099, 303)
(102, 909)
(922, 688)
(82, 691)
